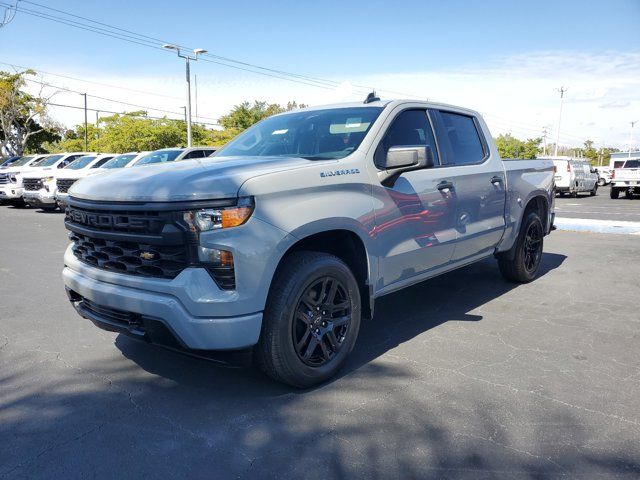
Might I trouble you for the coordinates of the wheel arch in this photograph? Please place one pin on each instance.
(346, 243)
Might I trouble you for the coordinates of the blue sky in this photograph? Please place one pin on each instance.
(458, 51)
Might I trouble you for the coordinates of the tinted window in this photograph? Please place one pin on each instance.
(101, 162)
(465, 146)
(618, 164)
(632, 164)
(411, 127)
(194, 154)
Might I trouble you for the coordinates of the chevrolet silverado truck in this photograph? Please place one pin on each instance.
(626, 179)
(80, 168)
(278, 246)
(11, 178)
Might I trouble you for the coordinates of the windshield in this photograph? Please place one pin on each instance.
(47, 161)
(80, 163)
(119, 161)
(21, 162)
(314, 135)
(160, 156)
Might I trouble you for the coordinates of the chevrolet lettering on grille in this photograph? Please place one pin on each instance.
(102, 220)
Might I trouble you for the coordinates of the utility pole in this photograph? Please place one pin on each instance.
(187, 58)
(631, 136)
(561, 90)
(185, 114)
(545, 132)
(86, 137)
(97, 120)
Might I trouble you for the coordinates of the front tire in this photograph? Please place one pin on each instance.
(311, 320)
(602, 182)
(524, 265)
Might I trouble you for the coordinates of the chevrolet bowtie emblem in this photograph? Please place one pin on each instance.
(147, 255)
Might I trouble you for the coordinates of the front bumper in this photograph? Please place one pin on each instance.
(39, 197)
(61, 198)
(192, 333)
(10, 192)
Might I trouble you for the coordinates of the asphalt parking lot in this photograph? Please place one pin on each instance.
(463, 376)
(600, 207)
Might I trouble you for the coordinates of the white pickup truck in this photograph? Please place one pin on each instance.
(11, 178)
(626, 179)
(82, 167)
(39, 184)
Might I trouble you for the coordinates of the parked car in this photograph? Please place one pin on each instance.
(39, 183)
(82, 167)
(281, 243)
(604, 175)
(124, 160)
(175, 155)
(574, 176)
(11, 178)
(626, 179)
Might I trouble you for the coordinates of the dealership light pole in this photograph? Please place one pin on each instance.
(187, 58)
(631, 136)
(561, 90)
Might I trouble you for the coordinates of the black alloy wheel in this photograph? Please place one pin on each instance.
(532, 249)
(321, 321)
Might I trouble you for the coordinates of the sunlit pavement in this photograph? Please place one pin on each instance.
(463, 376)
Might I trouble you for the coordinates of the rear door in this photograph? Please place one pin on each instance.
(479, 183)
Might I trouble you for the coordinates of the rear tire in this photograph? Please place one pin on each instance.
(629, 194)
(524, 265)
(614, 193)
(311, 320)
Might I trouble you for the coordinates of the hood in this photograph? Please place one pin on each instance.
(201, 179)
(39, 172)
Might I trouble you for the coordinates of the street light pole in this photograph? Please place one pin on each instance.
(187, 58)
(631, 136)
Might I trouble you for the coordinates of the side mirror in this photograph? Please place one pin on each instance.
(405, 159)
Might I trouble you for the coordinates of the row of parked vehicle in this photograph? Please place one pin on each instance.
(44, 180)
(575, 176)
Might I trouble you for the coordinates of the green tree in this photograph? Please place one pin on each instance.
(511, 147)
(590, 153)
(24, 122)
(244, 115)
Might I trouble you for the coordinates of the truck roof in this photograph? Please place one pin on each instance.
(390, 103)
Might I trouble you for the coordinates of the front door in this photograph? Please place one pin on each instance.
(414, 215)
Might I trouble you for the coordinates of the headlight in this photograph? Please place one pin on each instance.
(48, 179)
(13, 179)
(208, 219)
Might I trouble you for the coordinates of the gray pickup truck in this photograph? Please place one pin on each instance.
(277, 247)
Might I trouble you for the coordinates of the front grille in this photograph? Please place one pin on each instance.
(130, 257)
(128, 319)
(64, 184)
(145, 242)
(4, 178)
(32, 184)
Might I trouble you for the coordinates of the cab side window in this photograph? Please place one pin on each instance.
(461, 139)
(409, 128)
(194, 154)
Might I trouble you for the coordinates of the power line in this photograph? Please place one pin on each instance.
(122, 113)
(91, 81)
(110, 99)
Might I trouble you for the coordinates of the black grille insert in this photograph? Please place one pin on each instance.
(32, 184)
(64, 184)
(130, 257)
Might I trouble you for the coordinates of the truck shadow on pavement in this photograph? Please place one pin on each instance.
(399, 317)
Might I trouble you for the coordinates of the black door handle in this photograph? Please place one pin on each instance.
(496, 179)
(445, 185)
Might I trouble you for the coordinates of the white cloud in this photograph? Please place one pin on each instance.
(517, 94)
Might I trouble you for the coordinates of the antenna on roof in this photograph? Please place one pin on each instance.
(372, 98)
